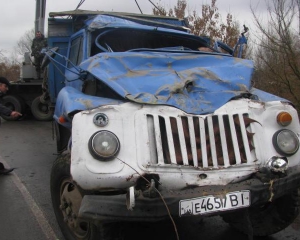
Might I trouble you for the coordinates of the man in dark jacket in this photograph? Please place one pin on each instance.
(4, 85)
(38, 43)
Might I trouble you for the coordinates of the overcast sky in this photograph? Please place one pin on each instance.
(17, 16)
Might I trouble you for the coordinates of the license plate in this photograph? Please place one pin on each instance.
(210, 204)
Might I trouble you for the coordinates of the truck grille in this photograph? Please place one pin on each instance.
(212, 142)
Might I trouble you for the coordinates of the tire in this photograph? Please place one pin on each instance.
(66, 199)
(269, 218)
(41, 111)
(62, 135)
(14, 103)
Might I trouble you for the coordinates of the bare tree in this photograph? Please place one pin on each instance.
(298, 5)
(209, 24)
(278, 55)
(24, 43)
(9, 68)
(10, 71)
(1, 55)
(10, 65)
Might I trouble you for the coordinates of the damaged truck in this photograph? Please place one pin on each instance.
(153, 123)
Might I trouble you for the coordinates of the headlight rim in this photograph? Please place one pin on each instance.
(277, 147)
(97, 155)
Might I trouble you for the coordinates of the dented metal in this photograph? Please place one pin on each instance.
(188, 124)
(194, 81)
(196, 84)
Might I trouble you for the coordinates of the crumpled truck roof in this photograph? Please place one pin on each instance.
(194, 83)
(98, 19)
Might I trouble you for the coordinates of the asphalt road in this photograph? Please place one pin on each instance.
(25, 205)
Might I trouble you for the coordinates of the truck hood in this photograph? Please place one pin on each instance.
(194, 83)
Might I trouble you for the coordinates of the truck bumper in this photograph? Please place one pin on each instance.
(263, 189)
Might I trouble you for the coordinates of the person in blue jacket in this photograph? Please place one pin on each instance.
(4, 86)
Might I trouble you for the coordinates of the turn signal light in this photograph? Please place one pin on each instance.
(284, 118)
(62, 119)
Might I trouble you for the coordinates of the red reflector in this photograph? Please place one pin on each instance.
(62, 119)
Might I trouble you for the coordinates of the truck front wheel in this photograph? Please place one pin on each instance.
(41, 111)
(66, 200)
(269, 218)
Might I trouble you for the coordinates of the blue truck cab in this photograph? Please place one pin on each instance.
(153, 123)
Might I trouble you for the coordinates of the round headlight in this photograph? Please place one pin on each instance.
(104, 145)
(286, 142)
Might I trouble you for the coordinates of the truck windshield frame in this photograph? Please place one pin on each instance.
(128, 39)
(76, 51)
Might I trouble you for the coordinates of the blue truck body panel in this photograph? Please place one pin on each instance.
(196, 82)
(115, 21)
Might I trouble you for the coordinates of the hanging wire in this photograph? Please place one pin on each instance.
(56, 64)
(138, 6)
(152, 4)
(79, 4)
(162, 198)
(156, 7)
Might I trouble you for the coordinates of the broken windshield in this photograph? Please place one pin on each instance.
(129, 39)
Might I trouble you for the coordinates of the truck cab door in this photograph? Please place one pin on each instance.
(76, 54)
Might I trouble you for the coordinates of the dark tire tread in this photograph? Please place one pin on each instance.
(268, 219)
(38, 113)
(60, 171)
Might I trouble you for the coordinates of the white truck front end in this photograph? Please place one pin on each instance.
(153, 123)
(243, 154)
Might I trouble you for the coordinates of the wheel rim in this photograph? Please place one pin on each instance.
(70, 200)
(43, 108)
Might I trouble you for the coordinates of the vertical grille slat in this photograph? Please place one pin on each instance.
(152, 139)
(212, 141)
(193, 141)
(203, 143)
(182, 142)
(245, 138)
(207, 142)
(170, 142)
(159, 147)
(223, 141)
(234, 141)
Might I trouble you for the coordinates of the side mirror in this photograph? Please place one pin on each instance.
(49, 54)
